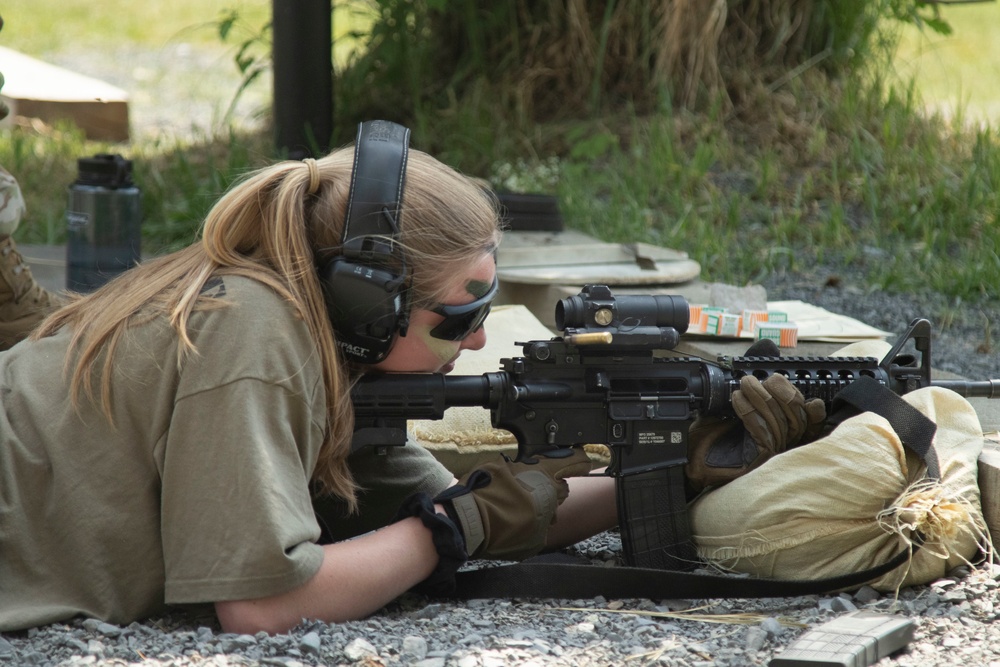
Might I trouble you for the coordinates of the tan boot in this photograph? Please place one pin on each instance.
(23, 302)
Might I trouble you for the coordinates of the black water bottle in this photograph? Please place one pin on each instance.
(103, 222)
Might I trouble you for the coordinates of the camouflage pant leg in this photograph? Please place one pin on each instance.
(23, 302)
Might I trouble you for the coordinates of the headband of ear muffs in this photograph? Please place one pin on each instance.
(366, 285)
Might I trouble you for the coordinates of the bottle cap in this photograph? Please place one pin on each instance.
(105, 170)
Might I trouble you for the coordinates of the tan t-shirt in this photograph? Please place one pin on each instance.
(200, 491)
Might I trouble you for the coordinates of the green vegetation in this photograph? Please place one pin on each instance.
(179, 180)
(812, 167)
(45, 26)
(859, 178)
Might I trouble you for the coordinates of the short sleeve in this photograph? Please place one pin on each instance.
(245, 432)
(237, 521)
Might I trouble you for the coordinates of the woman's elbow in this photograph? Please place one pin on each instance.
(248, 617)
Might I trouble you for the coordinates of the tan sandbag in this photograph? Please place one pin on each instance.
(989, 459)
(851, 501)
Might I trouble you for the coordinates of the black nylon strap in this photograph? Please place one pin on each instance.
(448, 542)
(914, 429)
(564, 580)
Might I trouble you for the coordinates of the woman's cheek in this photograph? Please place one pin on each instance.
(443, 350)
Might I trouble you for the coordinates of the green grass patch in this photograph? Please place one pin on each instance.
(862, 176)
(179, 180)
(36, 27)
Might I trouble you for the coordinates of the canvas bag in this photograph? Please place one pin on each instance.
(853, 500)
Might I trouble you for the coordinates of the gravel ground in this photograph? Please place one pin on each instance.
(958, 619)
(957, 624)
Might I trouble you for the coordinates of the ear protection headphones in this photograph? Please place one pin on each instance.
(366, 286)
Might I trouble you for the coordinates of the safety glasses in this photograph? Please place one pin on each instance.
(462, 321)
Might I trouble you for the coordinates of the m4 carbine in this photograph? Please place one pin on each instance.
(614, 378)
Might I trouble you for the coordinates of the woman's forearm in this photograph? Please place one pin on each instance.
(357, 578)
(588, 510)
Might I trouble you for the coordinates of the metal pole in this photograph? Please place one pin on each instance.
(303, 76)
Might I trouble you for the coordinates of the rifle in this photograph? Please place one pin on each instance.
(614, 378)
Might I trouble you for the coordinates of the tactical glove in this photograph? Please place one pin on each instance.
(771, 416)
(501, 510)
(505, 507)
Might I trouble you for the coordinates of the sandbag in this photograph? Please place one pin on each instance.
(851, 501)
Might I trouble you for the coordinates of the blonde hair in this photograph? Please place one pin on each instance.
(276, 226)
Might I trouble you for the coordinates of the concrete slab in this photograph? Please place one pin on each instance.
(37, 89)
(48, 264)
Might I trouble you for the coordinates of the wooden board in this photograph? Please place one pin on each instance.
(989, 485)
(36, 89)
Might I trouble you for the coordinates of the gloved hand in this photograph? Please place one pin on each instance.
(771, 417)
(503, 510)
(505, 507)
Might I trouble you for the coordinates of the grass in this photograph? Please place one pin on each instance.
(896, 176)
(180, 177)
(851, 174)
(179, 180)
(859, 178)
(37, 27)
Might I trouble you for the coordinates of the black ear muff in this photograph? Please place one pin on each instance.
(365, 286)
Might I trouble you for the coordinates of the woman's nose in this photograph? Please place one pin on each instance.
(475, 340)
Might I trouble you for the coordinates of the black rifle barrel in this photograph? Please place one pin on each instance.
(427, 395)
(971, 389)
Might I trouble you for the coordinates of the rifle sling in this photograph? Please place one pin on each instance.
(540, 579)
(915, 430)
(568, 578)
